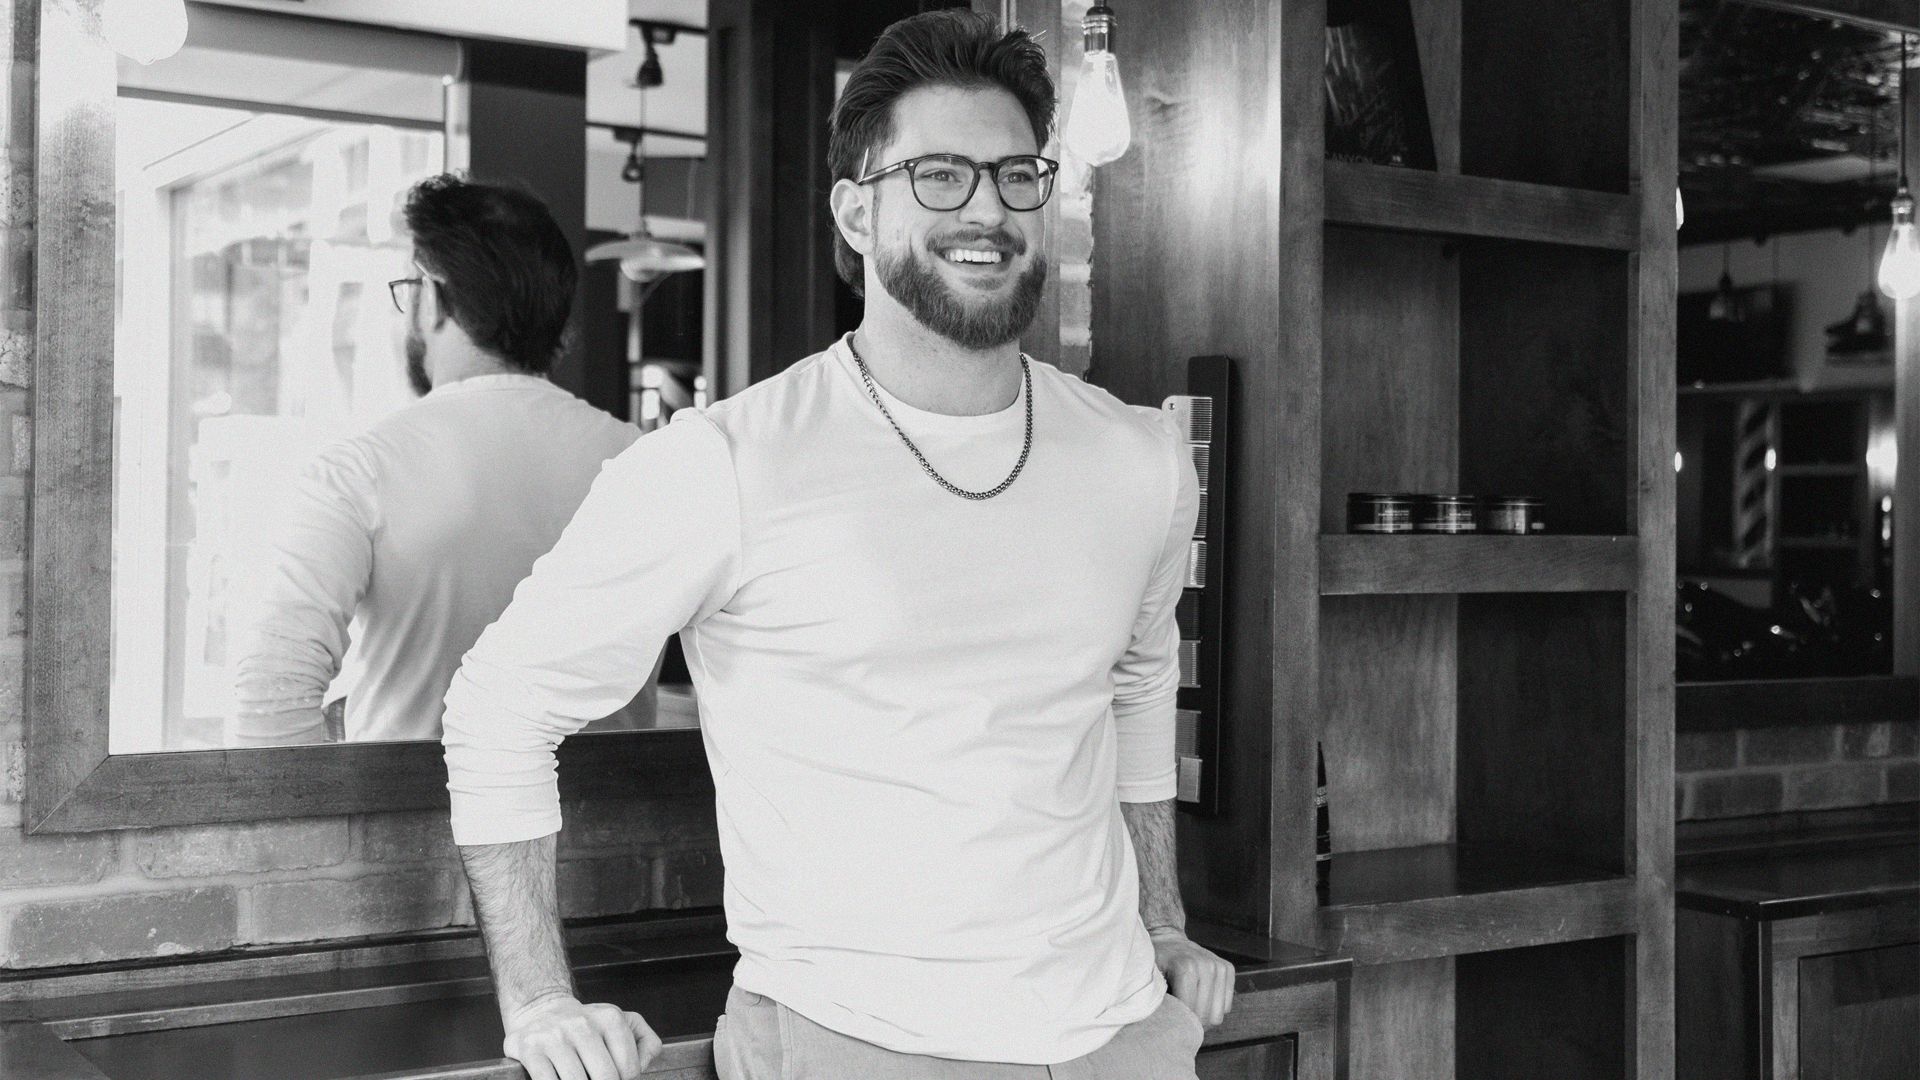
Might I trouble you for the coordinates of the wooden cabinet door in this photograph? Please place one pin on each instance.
(1860, 1014)
(1269, 1060)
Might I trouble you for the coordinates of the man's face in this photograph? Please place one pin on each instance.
(976, 305)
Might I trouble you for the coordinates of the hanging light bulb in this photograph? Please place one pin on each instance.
(1900, 261)
(145, 30)
(1097, 127)
(1679, 210)
(1725, 305)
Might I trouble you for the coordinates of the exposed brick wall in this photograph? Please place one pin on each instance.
(1722, 774)
(160, 892)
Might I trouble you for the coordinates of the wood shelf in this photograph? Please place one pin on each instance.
(1737, 703)
(1816, 543)
(1820, 470)
(1439, 900)
(1362, 565)
(1416, 200)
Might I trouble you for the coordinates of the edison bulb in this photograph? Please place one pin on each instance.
(1097, 127)
(1900, 260)
(145, 30)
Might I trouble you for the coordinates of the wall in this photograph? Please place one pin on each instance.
(158, 892)
(1722, 774)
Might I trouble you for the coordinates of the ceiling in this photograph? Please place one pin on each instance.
(1787, 123)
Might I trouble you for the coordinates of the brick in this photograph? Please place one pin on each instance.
(1903, 782)
(1724, 795)
(16, 196)
(611, 886)
(13, 683)
(627, 823)
(1834, 786)
(330, 908)
(1800, 745)
(1861, 741)
(688, 878)
(119, 927)
(1074, 243)
(16, 357)
(13, 594)
(206, 851)
(21, 430)
(13, 768)
(1906, 738)
(1698, 751)
(68, 859)
(425, 836)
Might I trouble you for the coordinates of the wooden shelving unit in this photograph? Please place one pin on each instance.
(1497, 736)
(1415, 200)
(1358, 565)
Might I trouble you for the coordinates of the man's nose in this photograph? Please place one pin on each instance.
(985, 207)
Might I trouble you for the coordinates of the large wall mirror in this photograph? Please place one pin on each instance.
(217, 233)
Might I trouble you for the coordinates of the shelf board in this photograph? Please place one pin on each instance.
(1416, 200)
(1817, 543)
(1737, 703)
(1438, 900)
(1363, 565)
(1775, 389)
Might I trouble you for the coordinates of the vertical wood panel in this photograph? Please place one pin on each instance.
(1403, 1018)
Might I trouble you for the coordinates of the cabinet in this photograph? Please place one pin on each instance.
(1496, 712)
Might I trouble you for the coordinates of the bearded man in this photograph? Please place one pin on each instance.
(926, 591)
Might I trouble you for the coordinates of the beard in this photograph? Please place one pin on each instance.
(910, 278)
(416, 350)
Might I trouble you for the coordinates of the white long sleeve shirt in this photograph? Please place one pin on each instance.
(921, 712)
(407, 540)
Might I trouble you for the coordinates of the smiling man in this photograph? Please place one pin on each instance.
(926, 590)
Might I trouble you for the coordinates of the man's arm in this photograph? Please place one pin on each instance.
(1146, 682)
(653, 548)
(301, 594)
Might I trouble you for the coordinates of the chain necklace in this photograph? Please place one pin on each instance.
(1026, 378)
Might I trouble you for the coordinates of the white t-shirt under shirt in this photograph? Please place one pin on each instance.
(922, 712)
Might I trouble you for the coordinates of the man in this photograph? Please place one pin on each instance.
(415, 532)
(927, 590)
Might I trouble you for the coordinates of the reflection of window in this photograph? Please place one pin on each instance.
(251, 248)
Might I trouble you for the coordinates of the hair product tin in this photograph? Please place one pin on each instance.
(1516, 514)
(1446, 514)
(1377, 512)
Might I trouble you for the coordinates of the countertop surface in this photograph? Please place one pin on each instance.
(1789, 884)
(401, 1018)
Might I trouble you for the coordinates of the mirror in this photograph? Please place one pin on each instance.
(259, 178)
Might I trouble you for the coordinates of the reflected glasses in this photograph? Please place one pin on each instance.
(944, 182)
(403, 290)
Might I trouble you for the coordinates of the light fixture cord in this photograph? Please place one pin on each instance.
(1903, 110)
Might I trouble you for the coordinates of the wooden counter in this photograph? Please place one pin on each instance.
(397, 1015)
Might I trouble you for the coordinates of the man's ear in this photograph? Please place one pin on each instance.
(852, 208)
(433, 310)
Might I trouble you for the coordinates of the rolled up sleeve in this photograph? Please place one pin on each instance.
(654, 548)
(1146, 680)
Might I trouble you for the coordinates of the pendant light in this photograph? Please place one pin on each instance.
(145, 30)
(643, 258)
(1900, 262)
(1097, 128)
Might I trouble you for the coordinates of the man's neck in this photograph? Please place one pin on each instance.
(930, 372)
(469, 364)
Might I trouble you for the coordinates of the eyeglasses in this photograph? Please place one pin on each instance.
(944, 182)
(403, 290)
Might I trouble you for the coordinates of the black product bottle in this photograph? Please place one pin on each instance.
(1322, 825)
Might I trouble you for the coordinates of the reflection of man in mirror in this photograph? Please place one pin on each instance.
(408, 539)
(926, 591)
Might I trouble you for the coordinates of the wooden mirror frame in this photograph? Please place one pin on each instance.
(73, 784)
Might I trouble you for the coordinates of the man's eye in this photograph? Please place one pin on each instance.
(1018, 176)
(941, 176)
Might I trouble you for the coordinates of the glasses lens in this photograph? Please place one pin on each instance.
(943, 181)
(1025, 182)
(399, 290)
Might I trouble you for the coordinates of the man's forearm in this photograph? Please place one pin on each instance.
(518, 906)
(1151, 826)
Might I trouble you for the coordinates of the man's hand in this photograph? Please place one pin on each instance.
(557, 1038)
(1197, 977)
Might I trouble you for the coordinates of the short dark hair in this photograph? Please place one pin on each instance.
(504, 270)
(949, 47)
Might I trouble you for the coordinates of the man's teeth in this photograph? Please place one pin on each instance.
(967, 255)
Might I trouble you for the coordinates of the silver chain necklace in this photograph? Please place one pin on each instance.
(1026, 378)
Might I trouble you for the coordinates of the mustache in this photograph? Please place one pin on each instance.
(999, 239)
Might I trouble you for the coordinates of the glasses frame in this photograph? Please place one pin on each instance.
(393, 290)
(990, 167)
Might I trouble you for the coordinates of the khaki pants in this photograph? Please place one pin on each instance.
(761, 1039)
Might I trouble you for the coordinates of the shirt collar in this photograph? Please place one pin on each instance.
(506, 380)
